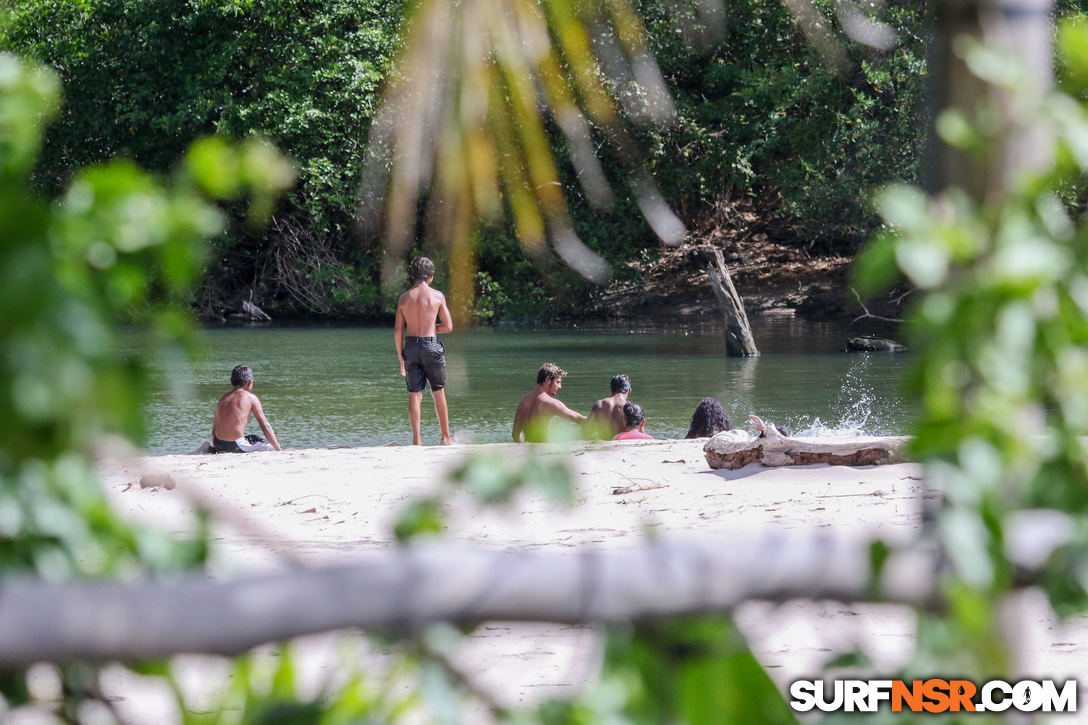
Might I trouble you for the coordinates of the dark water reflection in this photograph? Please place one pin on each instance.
(340, 386)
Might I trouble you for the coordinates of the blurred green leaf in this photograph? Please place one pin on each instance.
(924, 261)
(956, 130)
(422, 517)
(874, 270)
(214, 165)
(1072, 42)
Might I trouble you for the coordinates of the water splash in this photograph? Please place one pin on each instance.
(816, 428)
(859, 411)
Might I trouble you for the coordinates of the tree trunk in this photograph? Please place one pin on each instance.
(738, 334)
(417, 585)
(1022, 31)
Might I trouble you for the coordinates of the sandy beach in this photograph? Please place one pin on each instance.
(323, 506)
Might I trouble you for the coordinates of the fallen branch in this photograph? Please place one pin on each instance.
(413, 586)
(869, 315)
(635, 487)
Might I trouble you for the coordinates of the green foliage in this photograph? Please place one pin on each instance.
(116, 240)
(72, 266)
(761, 115)
(494, 479)
(144, 79)
(422, 517)
(1000, 335)
(1000, 332)
(692, 671)
(491, 479)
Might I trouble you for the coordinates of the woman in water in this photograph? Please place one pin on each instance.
(709, 419)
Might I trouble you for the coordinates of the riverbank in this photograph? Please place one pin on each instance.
(772, 279)
(306, 504)
(325, 506)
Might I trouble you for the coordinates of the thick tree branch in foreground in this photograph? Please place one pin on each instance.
(412, 586)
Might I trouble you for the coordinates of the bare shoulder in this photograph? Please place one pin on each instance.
(552, 402)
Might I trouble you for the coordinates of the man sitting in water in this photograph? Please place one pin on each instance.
(634, 424)
(539, 406)
(606, 416)
(232, 413)
(422, 357)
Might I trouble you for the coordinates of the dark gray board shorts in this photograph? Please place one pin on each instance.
(424, 362)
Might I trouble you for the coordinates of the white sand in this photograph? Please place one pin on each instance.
(325, 506)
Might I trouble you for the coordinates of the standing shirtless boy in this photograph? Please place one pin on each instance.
(232, 413)
(422, 357)
(540, 405)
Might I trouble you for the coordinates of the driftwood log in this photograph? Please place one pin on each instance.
(254, 313)
(409, 587)
(735, 449)
(739, 341)
(413, 586)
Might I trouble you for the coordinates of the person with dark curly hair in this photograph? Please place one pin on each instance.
(709, 419)
(634, 424)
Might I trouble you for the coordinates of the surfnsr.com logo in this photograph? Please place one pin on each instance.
(933, 696)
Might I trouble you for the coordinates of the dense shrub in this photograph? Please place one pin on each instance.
(762, 115)
(143, 78)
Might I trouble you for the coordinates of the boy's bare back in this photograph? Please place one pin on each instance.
(419, 307)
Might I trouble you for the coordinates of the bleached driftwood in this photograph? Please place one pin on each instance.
(413, 586)
(739, 341)
(254, 313)
(735, 449)
(441, 582)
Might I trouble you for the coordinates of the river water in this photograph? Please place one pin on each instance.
(324, 386)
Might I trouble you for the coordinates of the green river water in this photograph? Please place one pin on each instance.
(324, 386)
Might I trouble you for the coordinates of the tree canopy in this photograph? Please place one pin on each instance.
(764, 121)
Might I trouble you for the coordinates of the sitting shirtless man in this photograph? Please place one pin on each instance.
(232, 413)
(606, 417)
(539, 406)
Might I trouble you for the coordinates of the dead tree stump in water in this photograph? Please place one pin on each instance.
(253, 313)
(739, 341)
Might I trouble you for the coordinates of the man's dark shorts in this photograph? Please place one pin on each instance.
(424, 362)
